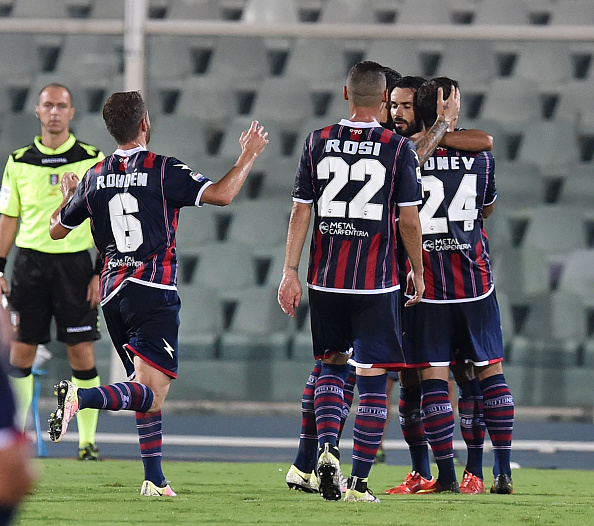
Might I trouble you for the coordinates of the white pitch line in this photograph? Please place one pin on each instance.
(542, 446)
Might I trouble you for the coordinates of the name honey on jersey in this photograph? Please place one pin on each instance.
(456, 186)
(356, 175)
(133, 199)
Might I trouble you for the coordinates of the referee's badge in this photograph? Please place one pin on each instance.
(54, 179)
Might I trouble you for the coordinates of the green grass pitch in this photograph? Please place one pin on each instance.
(70, 492)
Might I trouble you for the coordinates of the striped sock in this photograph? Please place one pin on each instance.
(150, 438)
(472, 425)
(499, 419)
(348, 394)
(409, 409)
(370, 422)
(328, 402)
(438, 420)
(130, 396)
(307, 454)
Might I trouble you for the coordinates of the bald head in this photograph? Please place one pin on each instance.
(366, 83)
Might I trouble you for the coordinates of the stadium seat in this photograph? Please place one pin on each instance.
(315, 62)
(493, 128)
(501, 12)
(550, 144)
(201, 321)
(260, 330)
(282, 99)
(170, 57)
(513, 102)
(549, 63)
(572, 12)
(575, 101)
(261, 223)
(519, 184)
(578, 186)
(478, 68)
(194, 10)
(90, 58)
(108, 9)
(423, 12)
(179, 136)
(208, 99)
(266, 12)
(36, 9)
(196, 227)
(279, 177)
(230, 149)
(574, 298)
(347, 12)
(90, 128)
(537, 343)
(552, 233)
(239, 60)
(18, 130)
(20, 61)
(401, 55)
(227, 266)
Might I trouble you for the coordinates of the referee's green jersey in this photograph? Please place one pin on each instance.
(31, 190)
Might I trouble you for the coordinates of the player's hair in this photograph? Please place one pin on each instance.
(56, 85)
(392, 77)
(366, 82)
(409, 82)
(123, 111)
(426, 97)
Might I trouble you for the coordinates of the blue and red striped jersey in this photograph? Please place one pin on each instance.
(356, 175)
(456, 187)
(133, 199)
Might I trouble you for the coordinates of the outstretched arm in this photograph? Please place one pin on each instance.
(469, 140)
(289, 290)
(252, 141)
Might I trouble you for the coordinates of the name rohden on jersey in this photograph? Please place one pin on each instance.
(340, 228)
(122, 180)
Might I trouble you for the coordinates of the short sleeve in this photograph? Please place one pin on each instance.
(409, 173)
(182, 185)
(303, 189)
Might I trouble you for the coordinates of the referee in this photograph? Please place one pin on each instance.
(50, 278)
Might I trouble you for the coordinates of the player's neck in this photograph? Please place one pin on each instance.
(54, 140)
(364, 115)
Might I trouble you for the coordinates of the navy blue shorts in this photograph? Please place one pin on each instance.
(369, 324)
(144, 321)
(437, 334)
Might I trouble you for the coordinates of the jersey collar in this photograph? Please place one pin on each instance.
(129, 153)
(60, 149)
(372, 124)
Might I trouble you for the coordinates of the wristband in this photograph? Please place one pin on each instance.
(2, 265)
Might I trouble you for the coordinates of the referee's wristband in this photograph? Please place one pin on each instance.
(2, 265)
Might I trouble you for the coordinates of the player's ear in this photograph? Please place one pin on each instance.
(345, 93)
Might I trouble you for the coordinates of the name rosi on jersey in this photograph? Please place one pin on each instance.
(356, 175)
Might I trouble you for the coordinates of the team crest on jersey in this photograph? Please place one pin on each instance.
(54, 179)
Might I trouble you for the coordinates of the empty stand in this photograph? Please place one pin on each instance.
(316, 61)
(238, 60)
(264, 11)
(259, 330)
(476, 69)
(208, 99)
(501, 12)
(423, 12)
(550, 144)
(201, 321)
(90, 128)
(552, 233)
(513, 102)
(572, 12)
(194, 10)
(345, 11)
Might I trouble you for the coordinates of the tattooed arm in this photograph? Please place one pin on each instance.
(447, 115)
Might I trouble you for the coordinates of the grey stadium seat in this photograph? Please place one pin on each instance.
(266, 12)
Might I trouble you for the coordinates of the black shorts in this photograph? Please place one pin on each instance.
(52, 285)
